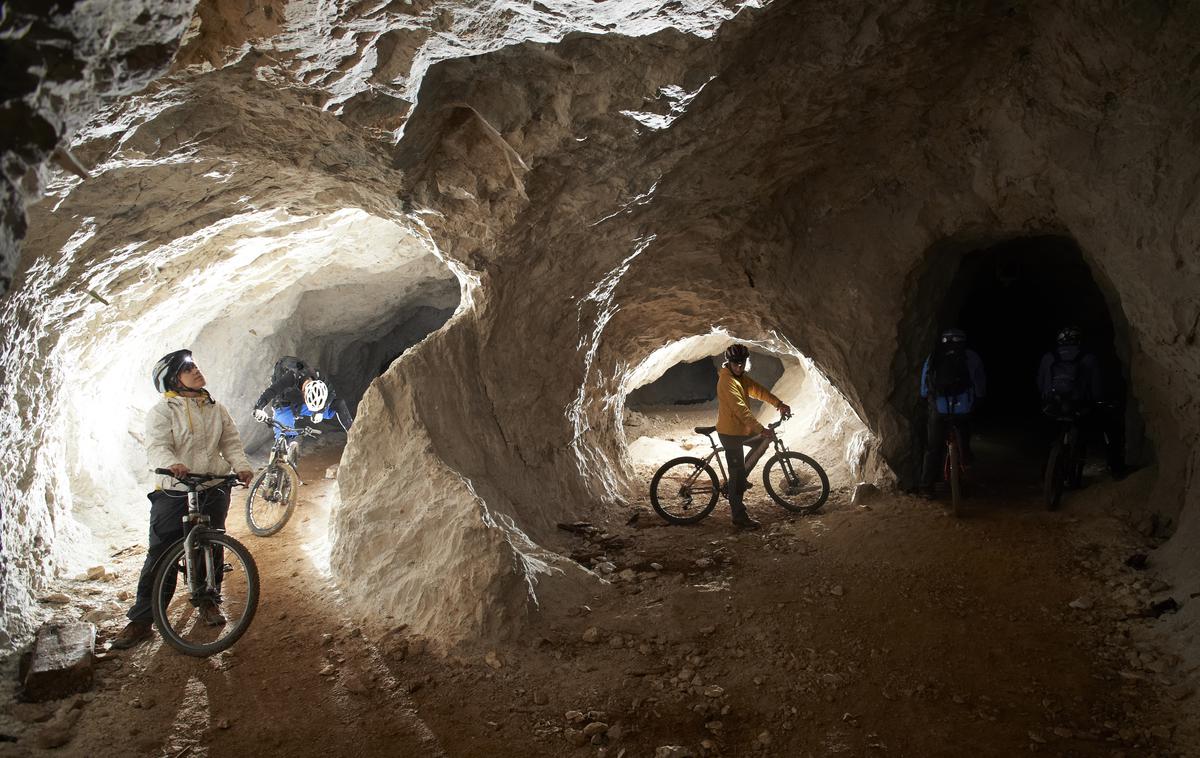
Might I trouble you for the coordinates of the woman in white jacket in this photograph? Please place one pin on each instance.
(186, 431)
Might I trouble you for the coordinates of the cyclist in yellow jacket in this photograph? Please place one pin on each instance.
(736, 425)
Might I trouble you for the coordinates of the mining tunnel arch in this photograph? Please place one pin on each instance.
(1012, 297)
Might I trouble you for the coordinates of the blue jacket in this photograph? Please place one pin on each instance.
(958, 405)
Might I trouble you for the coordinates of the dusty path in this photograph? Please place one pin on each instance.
(302, 682)
(889, 630)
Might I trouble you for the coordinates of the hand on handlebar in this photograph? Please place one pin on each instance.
(785, 410)
(260, 414)
(178, 470)
(244, 477)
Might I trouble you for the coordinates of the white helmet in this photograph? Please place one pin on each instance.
(316, 394)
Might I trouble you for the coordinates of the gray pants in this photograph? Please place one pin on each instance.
(735, 458)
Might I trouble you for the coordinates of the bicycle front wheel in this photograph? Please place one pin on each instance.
(796, 482)
(271, 500)
(208, 617)
(1056, 475)
(684, 490)
(954, 463)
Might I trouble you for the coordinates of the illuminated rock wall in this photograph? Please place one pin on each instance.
(781, 174)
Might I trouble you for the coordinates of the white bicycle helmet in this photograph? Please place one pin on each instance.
(316, 395)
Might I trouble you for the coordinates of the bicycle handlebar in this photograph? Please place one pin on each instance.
(782, 418)
(306, 431)
(193, 478)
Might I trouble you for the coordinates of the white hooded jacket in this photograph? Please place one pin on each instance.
(195, 431)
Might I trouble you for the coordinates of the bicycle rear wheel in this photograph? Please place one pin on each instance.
(796, 482)
(272, 499)
(684, 490)
(177, 608)
(1056, 475)
(954, 464)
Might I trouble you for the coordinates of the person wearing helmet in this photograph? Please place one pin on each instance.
(1069, 379)
(298, 391)
(736, 425)
(187, 430)
(952, 382)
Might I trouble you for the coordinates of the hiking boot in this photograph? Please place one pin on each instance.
(745, 522)
(210, 613)
(135, 632)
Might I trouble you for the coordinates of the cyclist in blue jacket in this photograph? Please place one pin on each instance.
(298, 391)
(952, 380)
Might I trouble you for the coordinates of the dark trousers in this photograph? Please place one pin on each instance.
(735, 458)
(1104, 424)
(167, 510)
(935, 444)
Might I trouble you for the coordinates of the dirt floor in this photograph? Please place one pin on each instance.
(890, 629)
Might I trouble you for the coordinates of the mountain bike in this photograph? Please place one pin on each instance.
(952, 465)
(272, 497)
(1064, 466)
(685, 490)
(217, 570)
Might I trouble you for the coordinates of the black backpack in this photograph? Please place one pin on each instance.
(949, 374)
(1064, 376)
(288, 365)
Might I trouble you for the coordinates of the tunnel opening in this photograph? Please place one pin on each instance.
(1012, 299)
(347, 291)
(673, 391)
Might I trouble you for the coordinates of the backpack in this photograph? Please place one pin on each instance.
(949, 374)
(288, 364)
(1064, 376)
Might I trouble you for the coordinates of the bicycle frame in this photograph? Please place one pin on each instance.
(197, 523)
(756, 454)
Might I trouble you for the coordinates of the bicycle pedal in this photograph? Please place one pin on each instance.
(226, 568)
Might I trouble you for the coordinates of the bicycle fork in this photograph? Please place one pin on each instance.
(189, 563)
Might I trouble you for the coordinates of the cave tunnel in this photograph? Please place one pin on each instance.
(672, 392)
(1012, 299)
(517, 241)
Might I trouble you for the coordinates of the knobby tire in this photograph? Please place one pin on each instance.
(171, 562)
(955, 465)
(267, 527)
(1056, 475)
(689, 485)
(799, 476)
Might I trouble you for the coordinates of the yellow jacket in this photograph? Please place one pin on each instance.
(733, 412)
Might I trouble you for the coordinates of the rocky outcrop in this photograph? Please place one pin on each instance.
(62, 63)
(784, 176)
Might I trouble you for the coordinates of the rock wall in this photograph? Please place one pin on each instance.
(779, 175)
(63, 61)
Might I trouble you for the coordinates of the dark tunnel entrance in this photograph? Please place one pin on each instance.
(1012, 299)
(695, 382)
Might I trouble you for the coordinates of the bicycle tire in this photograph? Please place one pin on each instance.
(1055, 477)
(1074, 471)
(794, 482)
(165, 609)
(273, 517)
(691, 480)
(954, 456)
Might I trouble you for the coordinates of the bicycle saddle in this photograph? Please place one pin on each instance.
(705, 429)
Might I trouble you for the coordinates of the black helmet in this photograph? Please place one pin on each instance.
(953, 337)
(737, 354)
(167, 369)
(1069, 335)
